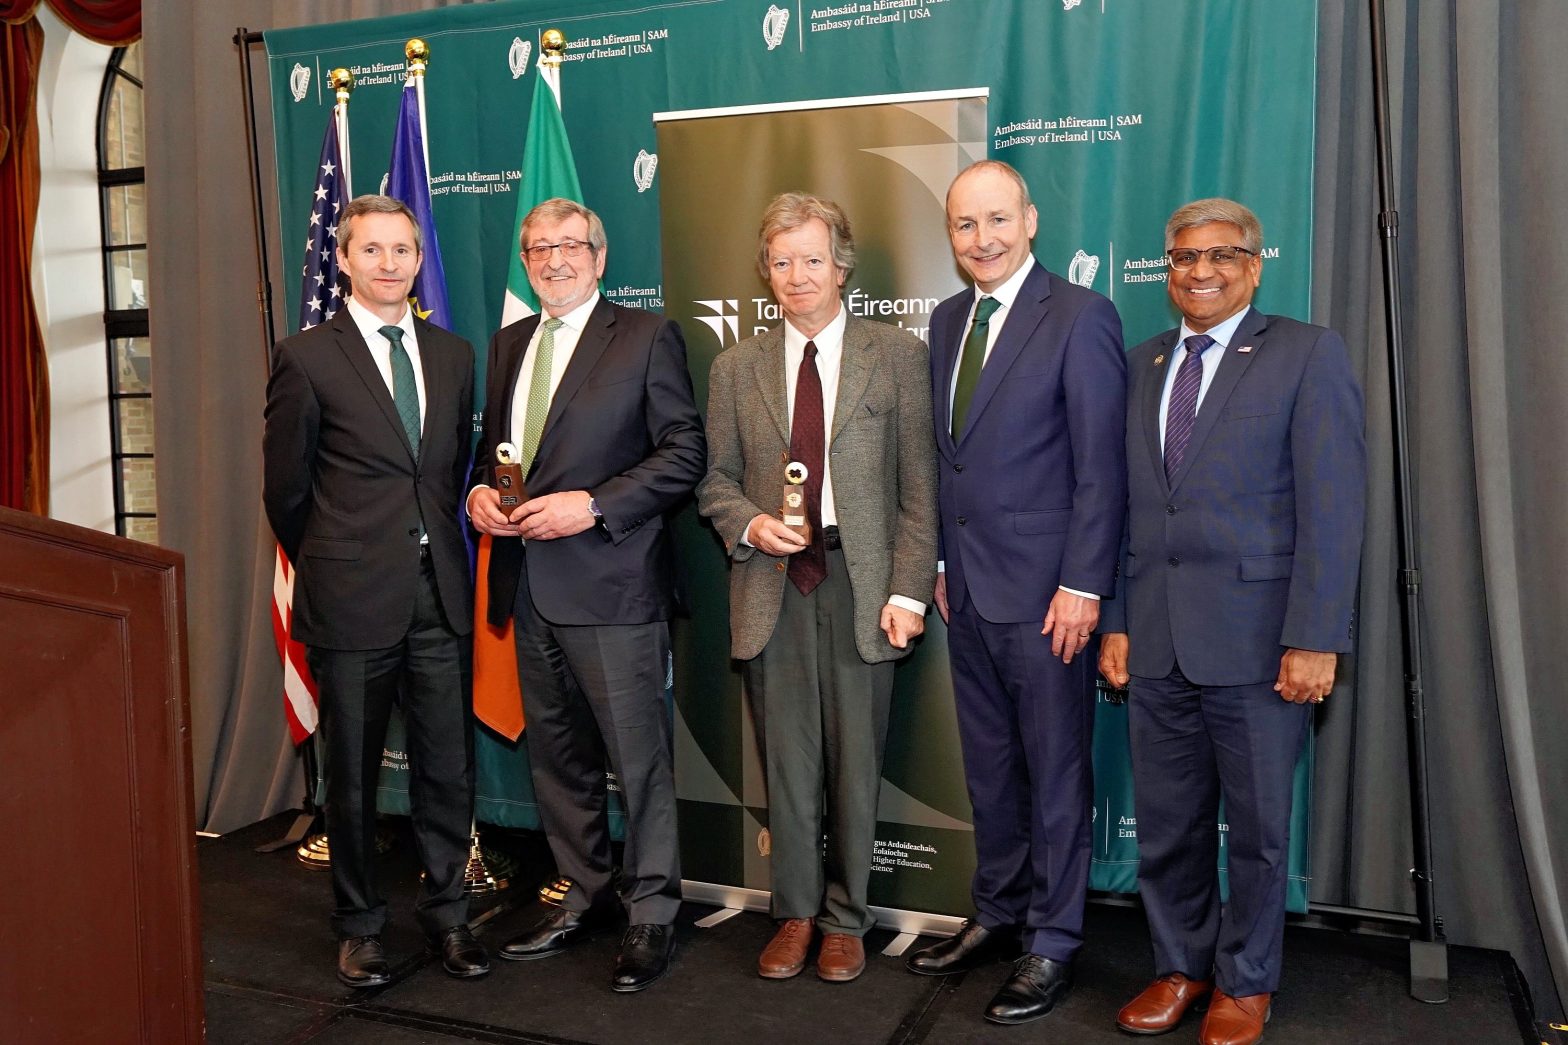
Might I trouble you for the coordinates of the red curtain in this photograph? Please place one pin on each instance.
(112, 22)
(24, 374)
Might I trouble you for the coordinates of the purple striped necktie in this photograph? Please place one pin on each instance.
(1182, 411)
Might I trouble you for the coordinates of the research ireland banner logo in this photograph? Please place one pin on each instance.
(726, 316)
(773, 25)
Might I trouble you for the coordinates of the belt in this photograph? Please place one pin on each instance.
(830, 539)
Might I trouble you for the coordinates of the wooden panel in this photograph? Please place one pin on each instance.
(95, 790)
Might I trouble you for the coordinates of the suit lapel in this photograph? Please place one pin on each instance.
(944, 348)
(769, 370)
(854, 375)
(352, 344)
(1027, 310)
(1149, 405)
(435, 376)
(1232, 365)
(595, 339)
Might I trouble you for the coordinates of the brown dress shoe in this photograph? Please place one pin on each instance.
(1162, 1004)
(1234, 1021)
(842, 958)
(785, 954)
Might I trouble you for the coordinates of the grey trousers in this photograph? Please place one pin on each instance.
(821, 720)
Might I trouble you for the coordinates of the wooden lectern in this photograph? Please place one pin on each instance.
(98, 903)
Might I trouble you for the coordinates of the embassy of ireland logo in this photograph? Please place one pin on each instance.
(773, 25)
(517, 57)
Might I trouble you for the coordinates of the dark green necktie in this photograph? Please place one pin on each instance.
(405, 394)
(970, 362)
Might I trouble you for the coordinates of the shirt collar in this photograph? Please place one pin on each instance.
(1007, 293)
(370, 323)
(1220, 332)
(577, 318)
(829, 339)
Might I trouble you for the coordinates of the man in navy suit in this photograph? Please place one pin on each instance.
(1029, 399)
(1246, 473)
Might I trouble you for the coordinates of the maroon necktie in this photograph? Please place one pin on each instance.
(1182, 411)
(809, 566)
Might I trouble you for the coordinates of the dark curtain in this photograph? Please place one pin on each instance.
(1478, 94)
(112, 22)
(24, 373)
(1481, 170)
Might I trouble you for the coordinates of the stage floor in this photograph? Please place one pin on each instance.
(270, 978)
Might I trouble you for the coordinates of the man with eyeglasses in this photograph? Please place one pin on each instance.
(596, 403)
(1246, 468)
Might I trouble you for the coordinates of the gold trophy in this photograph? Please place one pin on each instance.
(794, 513)
(508, 477)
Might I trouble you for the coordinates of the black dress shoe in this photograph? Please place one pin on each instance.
(1035, 987)
(554, 931)
(645, 956)
(973, 946)
(462, 955)
(362, 962)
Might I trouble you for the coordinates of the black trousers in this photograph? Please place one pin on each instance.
(593, 697)
(430, 674)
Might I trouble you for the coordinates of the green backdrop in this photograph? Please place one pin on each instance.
(1116, 111)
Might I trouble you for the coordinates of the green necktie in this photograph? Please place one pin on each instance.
(971, 361)
(539, 393)
(405, 393)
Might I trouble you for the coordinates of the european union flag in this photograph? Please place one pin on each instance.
(409, 181)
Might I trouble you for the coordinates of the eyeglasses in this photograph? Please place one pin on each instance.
(570, 248)
(1184, 258)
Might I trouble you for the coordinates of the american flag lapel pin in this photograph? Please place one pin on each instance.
(1243, 350)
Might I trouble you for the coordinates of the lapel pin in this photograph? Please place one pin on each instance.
(1244, 349)
(1158, 360)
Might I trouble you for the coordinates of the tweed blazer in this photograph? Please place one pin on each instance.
(883, 475)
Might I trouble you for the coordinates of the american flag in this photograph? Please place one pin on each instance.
(321, 295)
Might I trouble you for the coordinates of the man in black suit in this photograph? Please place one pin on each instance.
(598, 403)
(364, 452)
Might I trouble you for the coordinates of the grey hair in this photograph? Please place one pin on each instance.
(1213, 211)
(557, 210)
(790, 210)
(369, 204)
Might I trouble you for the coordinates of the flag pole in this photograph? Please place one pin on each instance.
(418, 54)
(342, 81)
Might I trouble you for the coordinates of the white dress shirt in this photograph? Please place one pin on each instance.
(566, 338)
(370, 325)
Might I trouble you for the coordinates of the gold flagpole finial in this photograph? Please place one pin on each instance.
(341, 81)
(418, 54)
(553, 44)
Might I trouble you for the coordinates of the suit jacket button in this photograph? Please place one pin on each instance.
(1170, 509)
(780, 567)
(414, 532)
(958, 467)
(1172, 561)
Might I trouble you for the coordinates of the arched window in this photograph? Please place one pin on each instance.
(122, 177)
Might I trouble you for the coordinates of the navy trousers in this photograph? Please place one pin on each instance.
(1192, 744)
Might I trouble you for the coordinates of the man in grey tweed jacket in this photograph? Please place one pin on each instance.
(819, 623)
